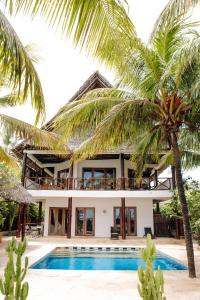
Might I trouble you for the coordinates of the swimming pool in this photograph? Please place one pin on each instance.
(102, 259)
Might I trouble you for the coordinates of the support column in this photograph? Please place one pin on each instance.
(157, 207)
(23, 177)
(24, 219)
(69, 225)
(123, 207)
(40, 212)
(123, 231)
(19, 219)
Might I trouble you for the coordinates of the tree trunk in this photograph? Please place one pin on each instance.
(181, 193)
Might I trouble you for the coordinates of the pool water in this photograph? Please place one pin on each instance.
(104, 261)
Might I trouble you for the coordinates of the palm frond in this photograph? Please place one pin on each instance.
(18, 70)
(8, 159)
(33, 135)
(190, 159)
(81, 117)
(121, 126)
(148, 143)
(173, 9)
(90, 23)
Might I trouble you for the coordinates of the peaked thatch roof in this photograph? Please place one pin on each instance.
(12, 190)
(95, 81)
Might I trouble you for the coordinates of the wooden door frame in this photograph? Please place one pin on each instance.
(64, 225)
(114, 219)
(84, 221)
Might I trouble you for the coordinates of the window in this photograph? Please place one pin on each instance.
(99, 178)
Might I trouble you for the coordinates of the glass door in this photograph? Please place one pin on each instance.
(85, 219)
(58, 219)
(130, 220)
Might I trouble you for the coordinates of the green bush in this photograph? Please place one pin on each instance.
(151, 286)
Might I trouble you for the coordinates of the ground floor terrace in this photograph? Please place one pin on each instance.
(93, 213)
(107, 285)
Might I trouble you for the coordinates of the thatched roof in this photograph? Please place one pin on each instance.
(96, 80)
(12, 190)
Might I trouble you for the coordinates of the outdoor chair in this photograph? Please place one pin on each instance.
(147, 230)
(114, 233)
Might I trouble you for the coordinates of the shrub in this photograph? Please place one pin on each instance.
(151, 286)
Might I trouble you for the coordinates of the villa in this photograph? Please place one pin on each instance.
(90, 197)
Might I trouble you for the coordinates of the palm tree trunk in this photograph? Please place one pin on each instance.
(181, 193)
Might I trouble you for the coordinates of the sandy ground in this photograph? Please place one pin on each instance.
(103, 285)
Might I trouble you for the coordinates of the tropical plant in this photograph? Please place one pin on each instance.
(21, 82)
(173, 9)
(172, 209)
(155, 107)
(151, 286)
(12, 286)
(91, 24)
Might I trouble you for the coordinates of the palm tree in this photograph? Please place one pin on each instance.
(156, 105)
(21, 82)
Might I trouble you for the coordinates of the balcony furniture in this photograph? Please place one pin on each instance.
(114, 233)
(147, 230)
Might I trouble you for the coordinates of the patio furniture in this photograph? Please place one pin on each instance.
(147, 230)
(114, 233)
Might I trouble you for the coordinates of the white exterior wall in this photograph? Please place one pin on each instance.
(104, 209)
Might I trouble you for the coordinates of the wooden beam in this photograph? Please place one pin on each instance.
(40, 212)
(24, 220)
(123, 220)
(18, 232)
(69, 225)
(24, 169)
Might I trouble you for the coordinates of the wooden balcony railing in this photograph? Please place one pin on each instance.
(49, 183)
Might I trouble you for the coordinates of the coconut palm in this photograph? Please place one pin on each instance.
(155, 107)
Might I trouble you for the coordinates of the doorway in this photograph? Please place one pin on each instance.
(130, 220)
(85, 221)
(58, 220)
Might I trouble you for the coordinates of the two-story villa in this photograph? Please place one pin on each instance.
(87, 198)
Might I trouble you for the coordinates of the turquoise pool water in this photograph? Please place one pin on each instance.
(103, 261)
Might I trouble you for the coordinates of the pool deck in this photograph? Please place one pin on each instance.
(106, 285)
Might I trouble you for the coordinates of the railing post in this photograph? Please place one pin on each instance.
(71, 169)
(24, 169)
(156, 178)
(122, 171)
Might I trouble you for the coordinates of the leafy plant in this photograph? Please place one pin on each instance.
(151, 286)
(12, 286)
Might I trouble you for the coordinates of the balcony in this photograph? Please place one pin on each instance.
(97, 184)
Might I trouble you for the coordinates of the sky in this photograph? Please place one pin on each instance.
(62, 68)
